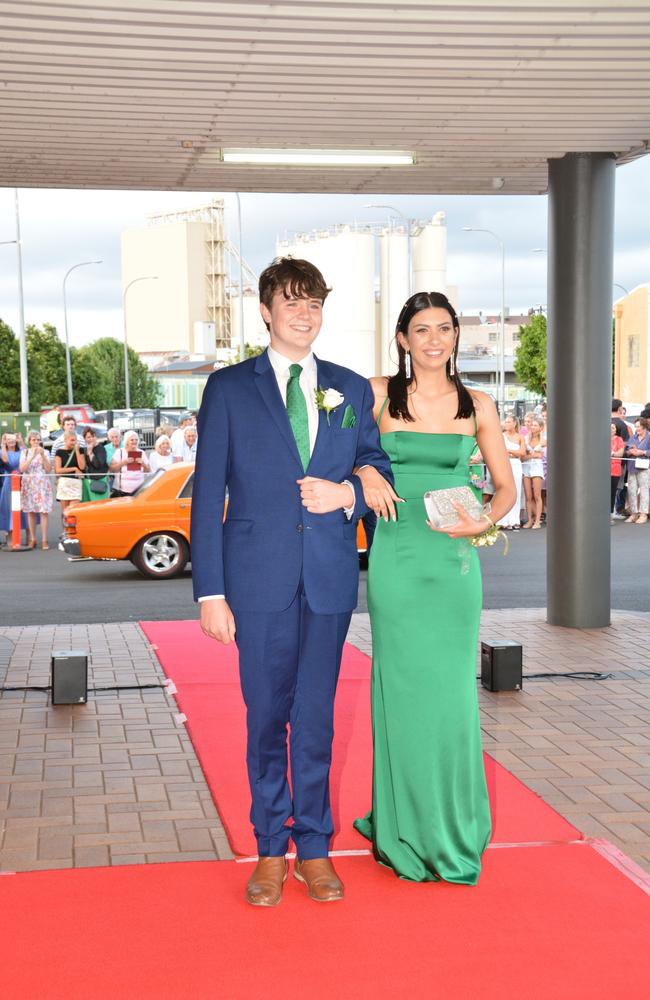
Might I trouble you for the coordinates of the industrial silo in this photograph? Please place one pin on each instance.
(394, 291)
(430, 256)
(255, 332)
(345, 256)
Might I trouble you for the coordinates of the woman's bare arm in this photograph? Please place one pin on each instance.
(377, 492)
(490, 440)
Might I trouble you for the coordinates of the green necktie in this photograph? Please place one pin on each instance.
(297, 413)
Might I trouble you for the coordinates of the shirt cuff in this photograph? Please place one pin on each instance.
(212, 597)
(349, 511)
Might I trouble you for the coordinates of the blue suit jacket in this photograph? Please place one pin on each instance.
(269, 541)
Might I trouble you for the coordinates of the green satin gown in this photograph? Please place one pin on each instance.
(430, 816)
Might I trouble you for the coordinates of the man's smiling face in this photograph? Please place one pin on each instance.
(295, 323)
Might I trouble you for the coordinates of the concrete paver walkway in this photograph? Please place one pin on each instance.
(117, 781)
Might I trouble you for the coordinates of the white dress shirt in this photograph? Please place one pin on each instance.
(183, 452)
(309, 385)
(177, 436)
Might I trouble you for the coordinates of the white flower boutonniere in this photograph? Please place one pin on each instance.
(328, 400)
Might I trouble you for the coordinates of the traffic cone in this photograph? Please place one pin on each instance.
(15, 516)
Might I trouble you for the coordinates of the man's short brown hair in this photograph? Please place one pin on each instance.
(295, 278)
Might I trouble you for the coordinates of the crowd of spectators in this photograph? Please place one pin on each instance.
(527, 449)
(82, 469)
(630, 465)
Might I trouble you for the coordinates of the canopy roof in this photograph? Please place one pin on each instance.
(111, 94)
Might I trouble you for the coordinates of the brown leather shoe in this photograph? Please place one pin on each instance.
(323, 884)
(264, 887)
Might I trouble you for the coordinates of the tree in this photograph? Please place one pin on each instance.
(10, 382)
(97, 372)
(46, 366)
(530, 359)
(98, 376)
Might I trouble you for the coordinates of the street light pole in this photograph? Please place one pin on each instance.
(68, 367)
(409, 239)
(127, 387)
(22, 342)
(242, 344)
(501, 354)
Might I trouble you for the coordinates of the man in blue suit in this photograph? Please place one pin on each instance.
(282, 433)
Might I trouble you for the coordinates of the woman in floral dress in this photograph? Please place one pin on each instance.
(36, 487)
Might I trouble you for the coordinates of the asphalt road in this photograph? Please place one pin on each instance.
(41, 588)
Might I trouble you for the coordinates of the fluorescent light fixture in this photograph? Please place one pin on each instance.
(318, 157)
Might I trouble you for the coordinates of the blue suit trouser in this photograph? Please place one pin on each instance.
(289, 664)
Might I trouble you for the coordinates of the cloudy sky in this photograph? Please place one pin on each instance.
(62, 228)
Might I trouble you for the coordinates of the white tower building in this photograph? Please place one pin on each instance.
(429, 265)
(346, 258)
(394, 291)
(353, 334)
(255, 333)
(185, 250)
(430, 256)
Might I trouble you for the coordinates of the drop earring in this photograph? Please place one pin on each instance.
(452, 366)
(407, 365)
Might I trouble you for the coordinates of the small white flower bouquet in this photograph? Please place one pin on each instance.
(328, 400)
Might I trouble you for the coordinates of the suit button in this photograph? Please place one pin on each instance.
(300, 527)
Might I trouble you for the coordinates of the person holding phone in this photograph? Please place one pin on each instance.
(533, 473)
(36, 487)
(69, 465)
(638, 472)
(131, 463)
(617, 450)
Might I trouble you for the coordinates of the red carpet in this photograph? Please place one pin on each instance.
(205, 674)
(545, 923)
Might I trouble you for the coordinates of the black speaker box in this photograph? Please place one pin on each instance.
(501, 666)
(69, 677)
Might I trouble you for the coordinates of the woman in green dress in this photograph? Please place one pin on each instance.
(430, 816)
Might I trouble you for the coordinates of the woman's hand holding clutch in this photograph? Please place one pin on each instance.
(378, 493)
(465, 527)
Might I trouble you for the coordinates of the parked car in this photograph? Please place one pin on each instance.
(122, 419)
(151, 528)
(140, 419)
(143, 421)
(83, 413)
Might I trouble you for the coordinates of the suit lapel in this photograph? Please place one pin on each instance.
(267, 385)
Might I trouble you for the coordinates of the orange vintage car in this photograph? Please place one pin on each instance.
(151, 528)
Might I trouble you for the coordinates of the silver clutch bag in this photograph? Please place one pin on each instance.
(440, 505)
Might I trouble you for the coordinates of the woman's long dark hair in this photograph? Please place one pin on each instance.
(398, 384)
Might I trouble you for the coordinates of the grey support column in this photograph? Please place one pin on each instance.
(580, 272)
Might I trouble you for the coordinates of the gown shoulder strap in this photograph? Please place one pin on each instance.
(382, 408)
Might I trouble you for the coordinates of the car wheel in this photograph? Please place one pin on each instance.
(160, 556)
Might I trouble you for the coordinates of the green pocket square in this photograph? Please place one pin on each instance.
(349, 417)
